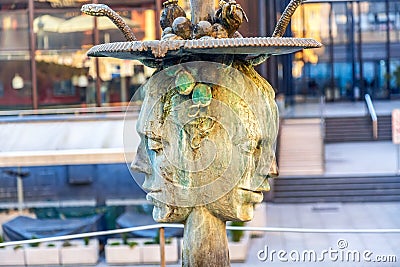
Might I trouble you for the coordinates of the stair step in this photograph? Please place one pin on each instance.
(336, 180)
(384, 198)
(356, 129)
(336, 189)
(279, 188)
(299, 137)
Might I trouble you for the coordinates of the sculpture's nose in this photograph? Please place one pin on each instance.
(142, 162)
(274, 170)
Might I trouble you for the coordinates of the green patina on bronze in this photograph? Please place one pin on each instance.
(167, 99)
(184, 82)
(184, 111)
(202, 95)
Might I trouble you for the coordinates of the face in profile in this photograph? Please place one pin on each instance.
(217, 155)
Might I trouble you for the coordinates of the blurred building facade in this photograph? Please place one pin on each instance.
(43, 46)
(43, 63)
(361, 52)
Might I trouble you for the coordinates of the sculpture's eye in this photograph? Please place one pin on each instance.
(259, 144)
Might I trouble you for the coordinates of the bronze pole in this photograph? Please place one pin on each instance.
(96, 60)
(158, 15)
(32, 48)
(162, 246)
(202, 10)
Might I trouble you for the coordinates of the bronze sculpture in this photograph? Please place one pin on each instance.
(208, 122)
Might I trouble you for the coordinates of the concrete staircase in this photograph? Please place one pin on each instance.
(336, 189)
(300, 146)
(350, 129)
(301, 162)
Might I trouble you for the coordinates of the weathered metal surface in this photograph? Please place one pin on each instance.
(208, 122)
(100, 10)
(284, 20)
(206, 163)
(162, 49)
(202, 10)
(170, 12)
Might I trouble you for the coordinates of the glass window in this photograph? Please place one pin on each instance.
(15, 84)
(14, 30)
(63, 36)
(395, 76)
(310, 21)
(344, 79)
(1, 89)
(340, 22)
(55, 83)
(394, 16)
(64, 30)
(373, 21)
(64, 88)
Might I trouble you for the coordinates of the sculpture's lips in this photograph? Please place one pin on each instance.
(251, 196)
(250, 190)
(155, 191)
(150, 197)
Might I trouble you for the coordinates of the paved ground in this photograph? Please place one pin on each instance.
(327, 216)
(361, 158)
(356, 158)
(341, 159)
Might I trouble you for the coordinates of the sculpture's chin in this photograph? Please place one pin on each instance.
(237, 205)
(164, 213)
(250, 196)
(245, 213)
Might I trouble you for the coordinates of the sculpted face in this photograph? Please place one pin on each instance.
(201, 149)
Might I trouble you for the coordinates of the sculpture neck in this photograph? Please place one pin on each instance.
(204, 242)
(202, 10)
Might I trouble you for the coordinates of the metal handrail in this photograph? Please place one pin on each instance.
(119, 107)
(164, 225)
(371, 110)
(181, 226)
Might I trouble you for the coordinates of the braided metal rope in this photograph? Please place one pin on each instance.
(99, 10)
(284, 20)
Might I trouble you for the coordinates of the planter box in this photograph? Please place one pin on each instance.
(80, 254)
(151, 253)
(238, 250)
(122, 254)
(11, 256)
(43, 255)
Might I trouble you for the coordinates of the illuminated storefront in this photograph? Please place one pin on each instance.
(361, 52)
(51, 63)
(44, 42)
